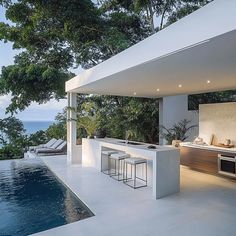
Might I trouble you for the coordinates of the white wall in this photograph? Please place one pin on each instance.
(218, 119)
(173, 109)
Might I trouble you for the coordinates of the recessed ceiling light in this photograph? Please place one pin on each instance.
(180, 85)
(158, 90)
(208, 81)
(135, 93)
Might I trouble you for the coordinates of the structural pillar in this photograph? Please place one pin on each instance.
(71, 126)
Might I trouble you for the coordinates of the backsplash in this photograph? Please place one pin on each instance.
(218, 120)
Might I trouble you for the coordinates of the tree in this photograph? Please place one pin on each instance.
(215, 97)
(55, 36)
(58, 128)
(14, 141)
(11, 130)
(12, 138)
(184, 8)
(166, 11)
(37, 138)
(45, 31)
(29, 81)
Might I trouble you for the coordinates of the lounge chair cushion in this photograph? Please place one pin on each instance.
(46, 145)
(57, 143)
(50, 143)
(59, 149)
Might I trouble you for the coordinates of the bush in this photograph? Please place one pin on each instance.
(12, 138)
(11, 152)
(37, 138)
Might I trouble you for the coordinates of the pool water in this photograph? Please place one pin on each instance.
(32, 199)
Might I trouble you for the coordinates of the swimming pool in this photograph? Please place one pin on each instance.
(32, 199)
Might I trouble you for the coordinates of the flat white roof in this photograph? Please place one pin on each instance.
(179, 59)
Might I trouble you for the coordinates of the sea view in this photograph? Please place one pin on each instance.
(34, 126)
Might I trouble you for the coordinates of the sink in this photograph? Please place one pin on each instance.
(130, 142)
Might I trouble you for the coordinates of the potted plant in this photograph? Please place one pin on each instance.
(90, 124)
(100, 133)
(178, 132)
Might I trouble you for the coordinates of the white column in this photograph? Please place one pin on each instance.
(172, 110)
(71, 126)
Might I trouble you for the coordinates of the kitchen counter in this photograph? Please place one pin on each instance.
(204, 158)
(163, 162)
(141, 146)
(208, 147)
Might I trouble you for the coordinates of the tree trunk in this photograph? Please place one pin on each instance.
(163, 15)
(151, 15)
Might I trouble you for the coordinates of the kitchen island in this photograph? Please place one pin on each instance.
(163, 162)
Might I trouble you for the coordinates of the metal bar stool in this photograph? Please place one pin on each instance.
(117, 158)
(134, 162)
(106, 154)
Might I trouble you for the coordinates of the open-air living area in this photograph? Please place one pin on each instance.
(176, 176)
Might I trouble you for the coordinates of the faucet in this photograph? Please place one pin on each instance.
(128, 134)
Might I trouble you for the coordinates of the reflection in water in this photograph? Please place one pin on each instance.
(32, 199)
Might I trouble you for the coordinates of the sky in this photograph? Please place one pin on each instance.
(35, 112)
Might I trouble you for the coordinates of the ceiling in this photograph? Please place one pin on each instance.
(213, 61)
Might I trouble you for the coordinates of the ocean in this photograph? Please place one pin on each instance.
(34, 126)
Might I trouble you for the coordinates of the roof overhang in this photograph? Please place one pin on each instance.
(195, 50)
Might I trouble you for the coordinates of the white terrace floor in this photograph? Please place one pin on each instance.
(206, 205)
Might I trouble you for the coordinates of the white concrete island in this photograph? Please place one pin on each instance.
(163, 162)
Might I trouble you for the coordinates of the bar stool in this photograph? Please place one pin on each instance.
(107, 154)
(117, 158)
(134, 162)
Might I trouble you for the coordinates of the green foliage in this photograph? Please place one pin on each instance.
(185, 7)
(56, 35)
(29, 82)
(89, 121)
(120, 28)
(37, 138)
(10, 151)
(205, 98)
(12, 138)
(58, 128)
(129, 134)
(116, 115)
(14, 141)
(11, 131)
(166, 11)
(46, 31)
(179, 131)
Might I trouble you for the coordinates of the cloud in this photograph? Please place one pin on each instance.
(5, 100)
(51, 105)
(35, 112)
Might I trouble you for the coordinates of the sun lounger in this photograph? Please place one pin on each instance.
(54, 146)
(46, 145)
(61, 149)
